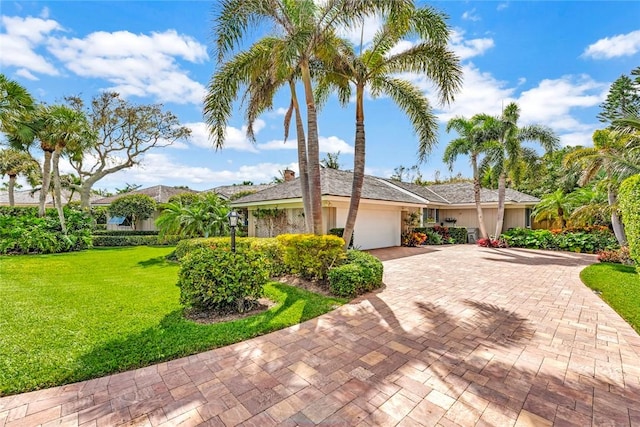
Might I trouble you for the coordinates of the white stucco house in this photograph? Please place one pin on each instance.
(383, 208)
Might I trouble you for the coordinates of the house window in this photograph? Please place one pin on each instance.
(527, 217)
(430, 216)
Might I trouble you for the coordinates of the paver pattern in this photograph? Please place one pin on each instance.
(460, 335)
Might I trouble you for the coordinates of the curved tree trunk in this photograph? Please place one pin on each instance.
(502, 184)
(358, 168)
(302, 161)
(476, 195)
(46, 182)
(616, 224)
(313, 150)
(11, 187)
(56, 190)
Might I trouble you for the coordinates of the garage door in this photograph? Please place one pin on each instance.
(377, 229)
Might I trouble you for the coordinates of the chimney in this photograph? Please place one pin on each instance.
(289, 175)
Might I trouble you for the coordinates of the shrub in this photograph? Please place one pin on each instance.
(134, 240)
(629, 200)
(362, 273)
(23, 232)
(125, 233)
(526, 238)
(135, 206)
(273, 254)
(433, 238)
(456, 235)
(310, 255)
(491, 243)
(413, 238)
(584, 239)
(620, 256)
(220, 280)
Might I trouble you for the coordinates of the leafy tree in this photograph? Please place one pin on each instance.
(124, 133)
(608, 148)
(591, 207)
(128, 188)
(470, 143)
(13, 163)
(331, 161)
(377, 67)
(554, 206)
(623, 98)
(546, 174)
(134, 206)
(205, 216)
(504, 147)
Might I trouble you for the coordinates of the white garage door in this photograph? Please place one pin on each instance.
(377, 229)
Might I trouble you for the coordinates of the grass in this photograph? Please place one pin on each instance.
(75, 316)
(619, 286)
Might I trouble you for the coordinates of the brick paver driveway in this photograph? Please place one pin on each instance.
(461, 335)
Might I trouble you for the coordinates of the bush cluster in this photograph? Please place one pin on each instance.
(413, 238)
(361, 273)
(125, 233)
(134, 240)
(220, 280)
(629, 199)
(452, 235)
(311, 256)
(620, 256)
(587, 240)
(23, 232)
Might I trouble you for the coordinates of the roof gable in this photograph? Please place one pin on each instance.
(159, 193)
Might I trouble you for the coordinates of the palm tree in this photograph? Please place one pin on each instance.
(15, 101)
(504, 148)
(13, 163)
(204, 217)
(306, 31)
(554, 206)
(591, 207)
(377, 67)
(469, 143)
(607, 151)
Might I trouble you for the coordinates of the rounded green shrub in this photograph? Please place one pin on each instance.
(362, 273)
(311, 256)
(220, 280)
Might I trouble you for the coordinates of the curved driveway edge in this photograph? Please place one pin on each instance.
(461, 335)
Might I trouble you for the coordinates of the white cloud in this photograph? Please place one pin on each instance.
(236, 139)
(136, 64)
(19, 41)
(364, 31)
(22, 72)
(331, 144)
(612, 47)
(471, 15)
(578, 138)
(466, 49)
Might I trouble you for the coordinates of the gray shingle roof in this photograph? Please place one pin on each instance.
(26, 198)
(334, 183)
(159, 193)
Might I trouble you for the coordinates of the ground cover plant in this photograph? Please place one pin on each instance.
(74, 316)
(619, 286)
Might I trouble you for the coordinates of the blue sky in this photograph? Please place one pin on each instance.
(556, 59)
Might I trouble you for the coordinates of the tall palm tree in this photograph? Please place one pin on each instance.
(15, 101)
(377, 67)
(607, 151)
(469, 143)
(306, 29)
(204, 217)
(13, 163)
(504, 147)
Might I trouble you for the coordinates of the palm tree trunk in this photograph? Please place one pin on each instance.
(502, 184)
(616, 224)
(313, 150)
(56, 190)
(11, 187)
(302, 161)
(476, 195)
(46, 182)
(358, 168)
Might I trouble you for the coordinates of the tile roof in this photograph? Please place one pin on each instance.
(31, 198)
(334, 183)
(228, 191)
(159, 193)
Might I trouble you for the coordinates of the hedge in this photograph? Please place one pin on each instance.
(125, 233)
(455, 235)
(629, 201)
(362, 273)
(311, 256)
(584, 239)
(134, 240)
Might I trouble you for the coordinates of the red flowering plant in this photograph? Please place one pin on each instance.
(492, 243)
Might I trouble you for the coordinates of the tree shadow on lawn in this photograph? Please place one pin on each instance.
(159, 261)
(175, 337)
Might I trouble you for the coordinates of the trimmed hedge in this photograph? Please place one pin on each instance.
(134, 240)
(220, 280)
(586, 239)
(125, 233)
(311, 256)
(362, 273)
(455, 235)
(629, 201)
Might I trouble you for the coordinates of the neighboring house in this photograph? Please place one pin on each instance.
(384, 207)
(230, 192)
(32, 198)
(159, 193)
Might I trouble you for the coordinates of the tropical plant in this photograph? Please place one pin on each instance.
(554, 206)
(331, 161)
(504, 147)
(15, 103)
(13, 163)
(471, 143)
(204, 216)
(377, 66)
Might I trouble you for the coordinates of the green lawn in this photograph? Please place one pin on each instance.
(620, 288)
(75, 316)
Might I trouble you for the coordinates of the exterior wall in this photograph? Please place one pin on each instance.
(148, 224)
(467, 217)
(292, 221)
